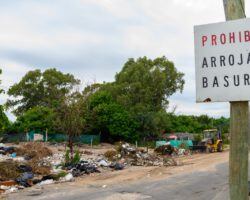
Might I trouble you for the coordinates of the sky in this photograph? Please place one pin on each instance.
(92, 39)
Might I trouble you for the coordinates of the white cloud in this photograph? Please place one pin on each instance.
(92, 39)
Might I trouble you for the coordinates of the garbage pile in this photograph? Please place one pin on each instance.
(139, 157)
(82, 167)
(169, 150)
(126, 154)
(34, 164)
(165, 149)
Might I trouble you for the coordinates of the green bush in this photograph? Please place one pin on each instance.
(67, 157)
(76, 157)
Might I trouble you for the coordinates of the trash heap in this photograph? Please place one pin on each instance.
(138, 157)
(82, 167)
(128, 155)
(169, 150)
(35, 164)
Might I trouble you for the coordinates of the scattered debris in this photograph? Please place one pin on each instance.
(9, 170)
(25, 179)
(138, 157)
(35, 164)
(117, 166)
(87, 152)
(34, 150)
(46, 182)
(165, 149)
(68, 177)
(83, 167)
(103, 163)
(19, 166)
(169, 161)
(110, 154)
(8, 183)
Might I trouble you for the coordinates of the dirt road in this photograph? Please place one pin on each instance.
(198, 173)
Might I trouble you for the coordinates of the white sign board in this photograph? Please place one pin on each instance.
(38, 137)
(222, 61)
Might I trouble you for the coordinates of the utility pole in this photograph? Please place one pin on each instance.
(238, 160)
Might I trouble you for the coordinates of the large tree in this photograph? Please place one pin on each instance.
(36, 118)
(38, 88)
(143, 87)
(110, 119)
(145, 84)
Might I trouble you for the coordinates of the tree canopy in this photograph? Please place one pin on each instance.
(145, 84)
(36, 118)
(132, 107)
(109, 118)
(4, 121)
(143, 88)
(69, 118)
(38, 88)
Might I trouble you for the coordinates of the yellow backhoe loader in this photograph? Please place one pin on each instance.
(212, 140)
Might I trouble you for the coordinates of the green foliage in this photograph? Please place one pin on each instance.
(1, 90)
(196, 124)
(77, 157)
(38, 88)
(4, 121)
(61, 174)
(36, 118)
(142, 88)
(69, 116)
(67, 157)
(108, 117)
(198, 137)
(144, 85)
(69, 119)
(153, 124)
(131, 108)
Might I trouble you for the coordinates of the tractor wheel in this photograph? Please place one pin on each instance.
(219, 147)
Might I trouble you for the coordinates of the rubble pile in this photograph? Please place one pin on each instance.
(171, 151)
(129, 155)
(165, 149)
(35, 164)
(139, 157)
(35, 154)
(83, 167)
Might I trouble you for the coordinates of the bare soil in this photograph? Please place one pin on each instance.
(196, 162)
(188, 164)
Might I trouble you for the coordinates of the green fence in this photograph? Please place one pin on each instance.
(12, 138)
(85, 139)
(52, 137)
